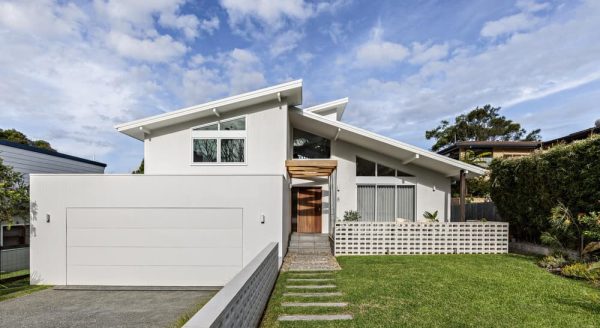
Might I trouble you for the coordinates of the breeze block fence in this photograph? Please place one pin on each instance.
(379, 238)
(243, 300)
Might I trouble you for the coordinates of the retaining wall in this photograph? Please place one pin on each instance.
(243, 300)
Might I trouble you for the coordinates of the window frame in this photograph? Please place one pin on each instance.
(396, 170)
(395, 185)
(218, 135)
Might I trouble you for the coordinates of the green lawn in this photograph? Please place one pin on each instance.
(18, 288)
(6, 275)
(450, 291)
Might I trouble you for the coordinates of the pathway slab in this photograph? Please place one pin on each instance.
(315, 317)
(316, 304)
(326, 294)
(310, 279)
(311, 286)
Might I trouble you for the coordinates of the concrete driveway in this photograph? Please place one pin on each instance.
(99, 308)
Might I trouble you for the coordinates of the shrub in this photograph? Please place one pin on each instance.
(553, 262)
(431, 217)
(579, 270)
(526, 189)
(351, 216)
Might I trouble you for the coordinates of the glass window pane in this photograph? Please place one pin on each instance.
(207, 127)
(364, 168)
(405, 200)
(385, 203)
(237, 124)
(205, 150)
(366, 203)
(384, 171)
(232, 150)
(308, 145)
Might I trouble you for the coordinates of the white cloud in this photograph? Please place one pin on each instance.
(210, 25)
(305, 57)
(336, 33)
(527, 66)
(285, 42)
(377, 52)
(272, 14)
(244, 70)
(201, 85)
(506, 25)
(158, 49)
(49, 20)
(421, 53)
(520, 22)
(532, 6)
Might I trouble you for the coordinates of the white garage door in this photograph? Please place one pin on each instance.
(153, 246)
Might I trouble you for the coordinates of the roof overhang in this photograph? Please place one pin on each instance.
(309, 168)
(406, 153)
(291, 92)
(337, 106)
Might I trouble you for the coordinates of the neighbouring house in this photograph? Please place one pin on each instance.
(27, 159)
(491, 149)
(579, 135)
(222, 180)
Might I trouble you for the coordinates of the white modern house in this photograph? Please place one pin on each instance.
(222, 180)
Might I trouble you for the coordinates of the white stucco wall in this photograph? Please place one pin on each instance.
(56, 195)
(169, 150)
(427, 197)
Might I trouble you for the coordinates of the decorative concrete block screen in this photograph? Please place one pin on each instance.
(242, 301)
(374, 238)
(14, 259)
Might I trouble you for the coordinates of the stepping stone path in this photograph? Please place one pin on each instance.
(311, 283)
(311, 268)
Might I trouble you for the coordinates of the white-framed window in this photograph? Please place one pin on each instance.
(222, 142)
(386, 202)
(367, 168)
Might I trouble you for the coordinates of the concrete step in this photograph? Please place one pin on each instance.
(315, 317)
(315, 244)
(310, 279)
(325, 294)
(315, 304)
(309, 251)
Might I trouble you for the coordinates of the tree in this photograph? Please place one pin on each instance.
(14, 195)
(480, 124)
(140, 169)
(13, 135)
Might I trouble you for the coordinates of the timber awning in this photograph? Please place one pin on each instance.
(306, 168)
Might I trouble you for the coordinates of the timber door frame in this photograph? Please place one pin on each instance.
(309, 220)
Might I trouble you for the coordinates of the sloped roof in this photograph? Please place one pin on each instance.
(291, 91)
(49, 152)
(393, 148)
(339, 106)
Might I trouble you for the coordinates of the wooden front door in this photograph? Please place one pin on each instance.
(309, 209)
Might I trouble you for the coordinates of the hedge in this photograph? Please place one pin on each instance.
(526, 189)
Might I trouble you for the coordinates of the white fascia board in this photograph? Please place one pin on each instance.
(292, 91)
(339, 105)
(472, 169)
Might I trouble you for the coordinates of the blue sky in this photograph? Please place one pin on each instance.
(79, 68)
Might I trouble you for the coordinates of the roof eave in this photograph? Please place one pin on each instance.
(339, 105)
(292, 91)
(473, 171)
